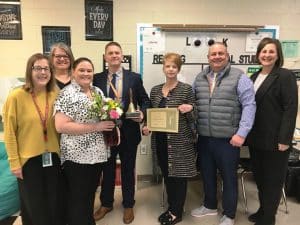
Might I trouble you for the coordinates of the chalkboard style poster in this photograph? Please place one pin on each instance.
(53, 35)
(98, 20)
(10, 20)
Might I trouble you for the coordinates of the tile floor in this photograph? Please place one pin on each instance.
(148, 207)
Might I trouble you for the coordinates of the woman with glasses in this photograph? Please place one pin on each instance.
(62, 59)
(32, 144)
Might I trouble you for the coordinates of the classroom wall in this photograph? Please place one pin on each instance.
(127, 13)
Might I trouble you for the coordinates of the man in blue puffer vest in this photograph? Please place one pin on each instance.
(225, 101)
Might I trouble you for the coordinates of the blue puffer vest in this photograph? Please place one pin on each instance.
(218, 115)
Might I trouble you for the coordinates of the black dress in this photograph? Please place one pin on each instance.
(61, 85)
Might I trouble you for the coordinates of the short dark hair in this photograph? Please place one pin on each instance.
(174, 57)
(279, 62)
(81, 59)
(112, 43)
(28, 86)
(218, 43)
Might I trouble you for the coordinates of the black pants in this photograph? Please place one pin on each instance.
(127, 153)
(176, 187)
(81, 184)
(269, 170)
(41, 196)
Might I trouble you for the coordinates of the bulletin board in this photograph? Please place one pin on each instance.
(153, 43)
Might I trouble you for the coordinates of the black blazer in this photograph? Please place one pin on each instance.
(130, 130)
(276, 112)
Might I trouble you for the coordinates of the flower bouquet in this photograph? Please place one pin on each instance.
(108, 109)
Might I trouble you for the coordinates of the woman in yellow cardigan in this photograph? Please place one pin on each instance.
(32, 144)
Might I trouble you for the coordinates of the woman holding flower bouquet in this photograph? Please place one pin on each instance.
(83, 151)
(175, 151)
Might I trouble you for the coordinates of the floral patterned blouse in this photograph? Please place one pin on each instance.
(86, 148)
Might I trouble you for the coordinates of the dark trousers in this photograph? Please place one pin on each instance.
(127, 153)
(41, 194)
(176, 187)
(269, 170)
(81, 184)
(217, 154)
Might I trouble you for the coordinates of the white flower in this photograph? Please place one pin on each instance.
(105, 107)
(119, 111)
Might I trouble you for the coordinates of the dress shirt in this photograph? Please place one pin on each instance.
(246, 96)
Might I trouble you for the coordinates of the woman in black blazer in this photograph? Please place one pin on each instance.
(270, 138)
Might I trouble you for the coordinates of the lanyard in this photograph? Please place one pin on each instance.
(116, 93)
(42, 119)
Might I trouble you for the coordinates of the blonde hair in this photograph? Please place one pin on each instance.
(173, 57)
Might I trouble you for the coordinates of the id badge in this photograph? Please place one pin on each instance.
(47, 159)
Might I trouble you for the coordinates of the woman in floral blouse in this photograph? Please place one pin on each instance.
(83, 151)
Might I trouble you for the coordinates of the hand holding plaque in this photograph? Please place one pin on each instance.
(132, 113)
(163, 119)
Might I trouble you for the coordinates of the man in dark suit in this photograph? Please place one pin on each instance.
(124, 85)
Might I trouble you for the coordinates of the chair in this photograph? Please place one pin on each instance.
(245, 165)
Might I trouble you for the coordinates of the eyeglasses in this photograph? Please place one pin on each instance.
(61, 56)
(40, 69)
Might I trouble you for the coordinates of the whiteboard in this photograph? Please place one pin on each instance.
(153, 43)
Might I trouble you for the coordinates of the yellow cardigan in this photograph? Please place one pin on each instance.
(23, 131)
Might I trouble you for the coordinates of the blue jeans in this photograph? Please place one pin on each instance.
(217, 154)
